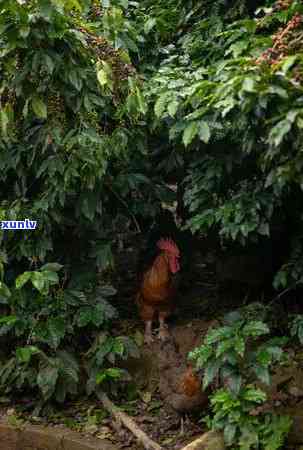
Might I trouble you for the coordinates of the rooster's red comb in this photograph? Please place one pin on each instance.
(169, 246)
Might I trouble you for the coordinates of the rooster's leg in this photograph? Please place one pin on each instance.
(163, 330)
(148, 337)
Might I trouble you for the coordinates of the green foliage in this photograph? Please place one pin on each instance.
(242, 428)
(236, 116)
(106, 349)
(296, 327)
(49, 332)
(70, 105)
(234, 354)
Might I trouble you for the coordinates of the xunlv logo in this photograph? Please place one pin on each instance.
(18, 224)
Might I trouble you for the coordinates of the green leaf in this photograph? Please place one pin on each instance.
(54, 267)
(172, 108)
(248, 85)
(112, 373)
(38, 281)
(237, 48)
(239, 346)
(99, 316)
(210, 373)
(24, 31)
(201, 355)
(218, 334)
(56, 331)
(85, 316)
(300, 334)
(141, 101)
(39, 107)
(255, 328)
(278, 90)
(262, 374)
(6, 117)
(4, 290)
(118, 347)
(104, 350)
(229, 434)
(204, 132)
(234, 382)
(288, 62)
(102, 77)
(24, 354)
(161, 104)
(51, 277)
(149, 25)
(254, 395)
(264, 229)
(224, 346)
(189, 133)
(75, 79)
(249, 438)
(50, 64)
(104, 74)
(8, 320)
(22, 279)
(47, 379)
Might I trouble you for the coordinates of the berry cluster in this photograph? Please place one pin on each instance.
(281, 42)
(104, 51)
(96, 10)
(56, 109)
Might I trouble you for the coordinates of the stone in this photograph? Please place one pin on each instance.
(35, 437)
(212, 440)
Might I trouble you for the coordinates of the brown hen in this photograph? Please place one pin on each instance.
(179, 385)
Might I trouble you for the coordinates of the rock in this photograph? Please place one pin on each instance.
(211, 440)
(34, 437)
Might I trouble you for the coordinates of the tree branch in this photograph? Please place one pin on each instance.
(129, 423)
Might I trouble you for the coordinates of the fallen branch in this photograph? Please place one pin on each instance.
(129, 423)
(209, 440)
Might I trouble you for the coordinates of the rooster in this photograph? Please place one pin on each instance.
(158, 288)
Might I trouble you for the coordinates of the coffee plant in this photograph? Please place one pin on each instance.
(234, 354)
(236, 357)
(242, 428)
(58, 340)
(230, 92)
